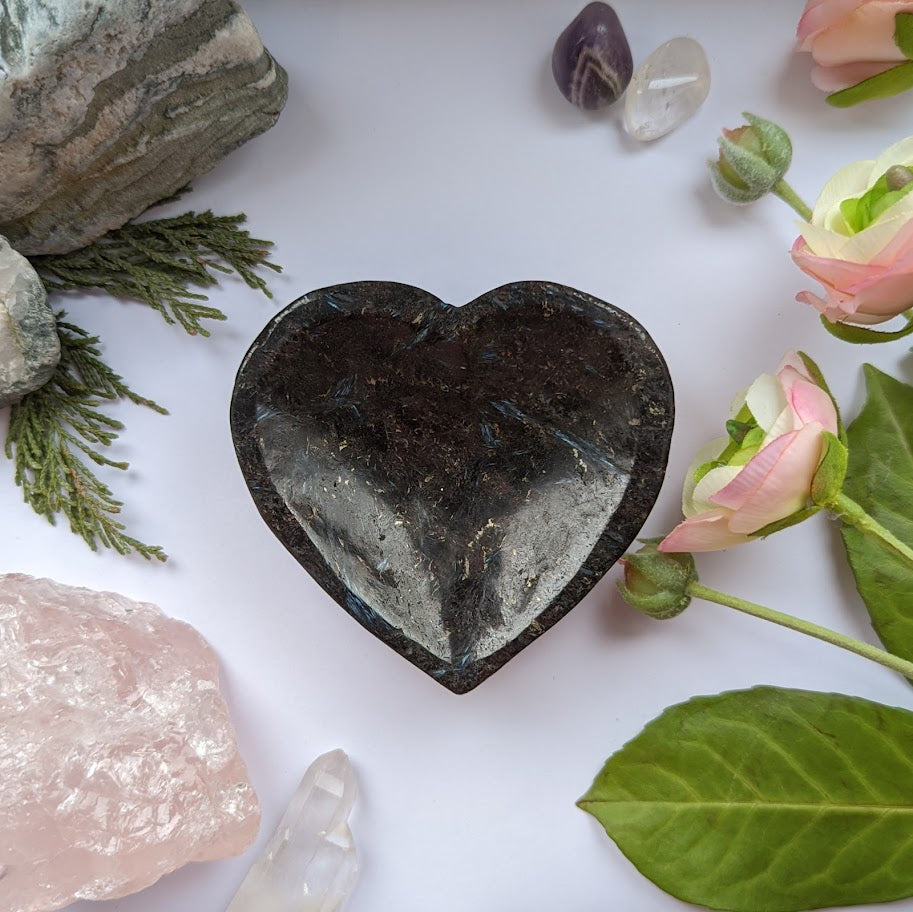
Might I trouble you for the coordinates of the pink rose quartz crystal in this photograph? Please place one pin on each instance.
(118, 760)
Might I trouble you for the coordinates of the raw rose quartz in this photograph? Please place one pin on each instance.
(118, 760)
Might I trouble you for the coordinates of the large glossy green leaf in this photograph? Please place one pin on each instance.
(766, 800)
(880, 479)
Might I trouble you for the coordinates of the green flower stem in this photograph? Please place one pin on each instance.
(853, 515)
(895, 663)
(792, 199)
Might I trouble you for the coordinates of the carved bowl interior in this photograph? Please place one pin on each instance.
(456, 478)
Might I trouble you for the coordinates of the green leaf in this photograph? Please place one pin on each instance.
(862, 211)
(891, 82)
(737, 430)
(750, 446)
(862, 335)
(766, 800)
(747, 422)
(903, 33)
(880, 479)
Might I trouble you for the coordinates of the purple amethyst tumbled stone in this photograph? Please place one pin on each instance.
(592, 61)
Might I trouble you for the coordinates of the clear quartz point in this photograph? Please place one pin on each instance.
(309, 863)
(667, 89)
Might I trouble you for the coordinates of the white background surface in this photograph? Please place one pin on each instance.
(425, 142)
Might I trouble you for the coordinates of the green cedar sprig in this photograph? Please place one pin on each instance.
(157, 261)
(56, 432)
(54, 429)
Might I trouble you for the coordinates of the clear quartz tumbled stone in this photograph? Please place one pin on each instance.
(667, 89)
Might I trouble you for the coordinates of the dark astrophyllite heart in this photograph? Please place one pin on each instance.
(456, 478)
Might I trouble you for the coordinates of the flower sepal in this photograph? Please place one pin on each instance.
(828, 480)
(862, 335)
(792, 520)
(752, 161)
(655, 583)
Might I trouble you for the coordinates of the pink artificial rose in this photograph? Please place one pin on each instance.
(850, 40)
(736, 486)
(866, 267)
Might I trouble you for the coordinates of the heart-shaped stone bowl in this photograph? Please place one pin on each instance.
(456, 478)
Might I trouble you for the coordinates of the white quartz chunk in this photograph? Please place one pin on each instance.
(309, 863)
(666, 89)
(29, 344)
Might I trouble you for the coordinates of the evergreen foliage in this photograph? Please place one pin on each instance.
(157, 261)
(58, 432)
(53, 429)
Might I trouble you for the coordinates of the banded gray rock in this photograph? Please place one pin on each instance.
(29, 344)
(108, 107)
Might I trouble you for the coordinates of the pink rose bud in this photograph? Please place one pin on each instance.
(859, 242)
(851, 40)
(752, 161)
(763, 473)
